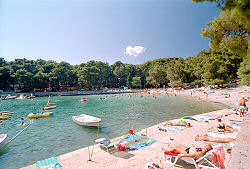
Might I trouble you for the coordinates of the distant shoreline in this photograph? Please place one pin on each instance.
(67, 93)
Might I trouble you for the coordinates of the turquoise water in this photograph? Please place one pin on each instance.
(56, 135)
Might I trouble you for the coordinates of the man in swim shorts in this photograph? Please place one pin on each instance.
(242, 105)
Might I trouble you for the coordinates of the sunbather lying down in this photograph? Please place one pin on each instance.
(214, 139)
(194, 152)
(178, 124)
(221, 127)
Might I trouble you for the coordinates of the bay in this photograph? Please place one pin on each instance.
(56, 135)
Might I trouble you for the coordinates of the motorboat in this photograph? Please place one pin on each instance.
(87, 120)
(6, 113)
(51, 103)
(84, 99)
(49, 107)
(3, 139)
(31, 96)
(3, 117)
(9, 97)
(45, 114)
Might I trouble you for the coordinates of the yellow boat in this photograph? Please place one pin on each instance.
(7, 112)
(50, 107)
(46, 114)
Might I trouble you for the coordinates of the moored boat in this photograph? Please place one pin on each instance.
(3, 139)
(84, 99)
(4, 117)
(9, 97)
(45, 114)
(6, 113)
(51, 103)
(87, 120)
(49, 107)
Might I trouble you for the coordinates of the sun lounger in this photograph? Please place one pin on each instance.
(206, 161)
(108, 144)
(50, 163)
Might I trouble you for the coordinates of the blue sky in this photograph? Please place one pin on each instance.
(77, 31)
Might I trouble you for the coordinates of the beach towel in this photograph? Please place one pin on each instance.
(175, 129)
(236, 123)
(188, 117)
(224, 145)
(222, 135)
(205, 117)
(230, 109)
(136, 142)
(50, 163)
(219, 157)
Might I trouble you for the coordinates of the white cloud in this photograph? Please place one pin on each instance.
(134, 51)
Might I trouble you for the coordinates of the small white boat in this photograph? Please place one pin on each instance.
(9, 97)
(87, 120)
(3, 139)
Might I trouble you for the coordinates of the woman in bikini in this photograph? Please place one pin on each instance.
(221, 127)
(194, 152)
(178, 124)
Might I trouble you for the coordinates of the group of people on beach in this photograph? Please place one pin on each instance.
(197, 152)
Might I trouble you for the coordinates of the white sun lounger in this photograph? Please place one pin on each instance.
(202, 162)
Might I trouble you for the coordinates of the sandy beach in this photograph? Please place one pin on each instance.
(153, 154)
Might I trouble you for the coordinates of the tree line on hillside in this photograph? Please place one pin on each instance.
(228, 59)
(208, 67)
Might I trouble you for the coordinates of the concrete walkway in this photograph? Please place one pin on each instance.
(240, 153)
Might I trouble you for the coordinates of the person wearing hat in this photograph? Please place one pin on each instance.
(242, 104)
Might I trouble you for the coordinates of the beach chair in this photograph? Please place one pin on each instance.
(203, 162)
(108, 144)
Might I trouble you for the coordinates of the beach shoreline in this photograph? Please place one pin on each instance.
(138, 159)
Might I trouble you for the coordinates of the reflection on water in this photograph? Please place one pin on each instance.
(58, 134)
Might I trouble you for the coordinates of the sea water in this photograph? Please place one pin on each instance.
(58, 134)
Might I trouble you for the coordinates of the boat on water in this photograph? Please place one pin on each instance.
(51, 103)
(49, 107)
(6, 112)
(9, 97)
(87, 120)
(84, 99)
(3, 139)
(31, 96)
(3, 117)
(45, 114)
(21, 97)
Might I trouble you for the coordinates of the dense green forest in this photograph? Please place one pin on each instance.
(228, 59)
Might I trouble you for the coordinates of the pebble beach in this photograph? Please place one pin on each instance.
(93, 157)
